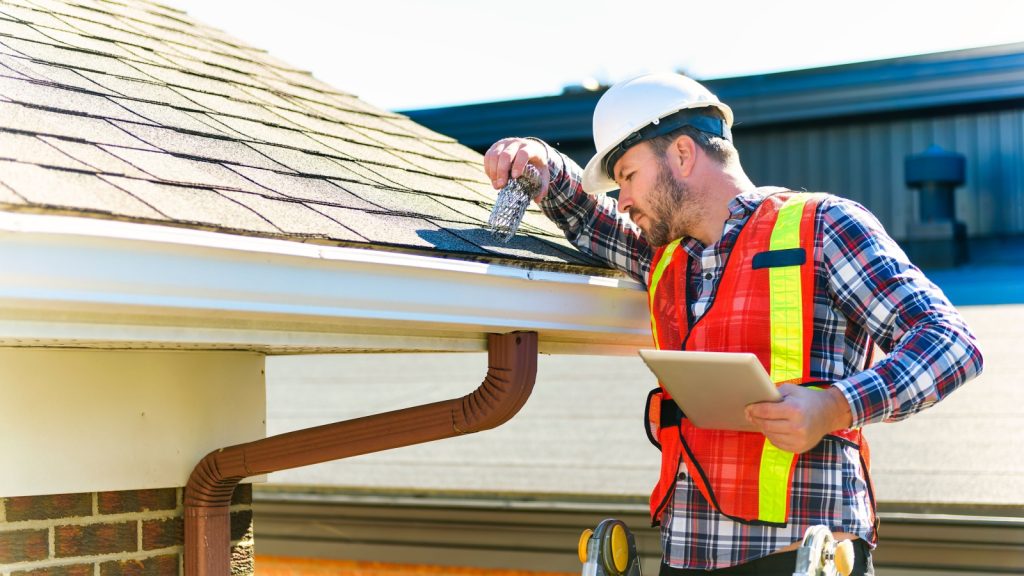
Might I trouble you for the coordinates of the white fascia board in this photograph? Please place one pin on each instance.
(71, 281)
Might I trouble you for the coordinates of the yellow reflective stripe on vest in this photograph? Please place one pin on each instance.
(786, 296)
(659, 270)
(773, 488)
(787, 360)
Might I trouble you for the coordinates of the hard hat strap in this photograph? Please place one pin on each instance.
(662, 126)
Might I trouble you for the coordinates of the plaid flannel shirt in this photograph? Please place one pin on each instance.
(867, 291)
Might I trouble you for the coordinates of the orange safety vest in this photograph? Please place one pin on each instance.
(765, 306)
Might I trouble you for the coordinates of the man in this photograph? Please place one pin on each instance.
(807, 282)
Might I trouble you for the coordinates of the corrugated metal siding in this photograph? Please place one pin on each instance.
(864, 161)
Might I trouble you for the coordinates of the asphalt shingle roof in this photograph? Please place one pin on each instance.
(132, 110)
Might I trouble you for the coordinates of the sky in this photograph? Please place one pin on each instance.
(408, 54)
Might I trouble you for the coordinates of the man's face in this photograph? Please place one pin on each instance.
(650, 193)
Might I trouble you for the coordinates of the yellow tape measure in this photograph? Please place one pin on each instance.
(609, 550)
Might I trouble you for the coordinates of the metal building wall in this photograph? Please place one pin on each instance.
(864, 161)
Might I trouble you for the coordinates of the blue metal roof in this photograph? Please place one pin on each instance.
(550, 118)
(977, 76)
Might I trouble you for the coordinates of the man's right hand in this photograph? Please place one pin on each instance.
(508, 157)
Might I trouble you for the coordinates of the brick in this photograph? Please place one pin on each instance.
(72, 570)
(137, 500)
(24, 546)
(49, 507)
(242, 494)
(241, 525)
(163, 533)
(243, 562)
(164, 565)
(95, 539)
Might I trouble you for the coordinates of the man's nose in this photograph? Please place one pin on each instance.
(625, 200)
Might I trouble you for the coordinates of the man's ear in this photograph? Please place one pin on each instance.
(683, 155)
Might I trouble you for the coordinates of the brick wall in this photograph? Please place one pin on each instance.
(127, 533)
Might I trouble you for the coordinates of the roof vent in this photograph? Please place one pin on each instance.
(935, 238)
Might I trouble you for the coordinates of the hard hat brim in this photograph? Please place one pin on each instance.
(595, 177)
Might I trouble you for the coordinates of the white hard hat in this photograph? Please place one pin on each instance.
(632, 111)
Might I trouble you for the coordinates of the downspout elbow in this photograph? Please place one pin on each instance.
(511, 372)
(505, 389)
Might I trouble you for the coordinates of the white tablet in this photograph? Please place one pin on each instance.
(712, 388)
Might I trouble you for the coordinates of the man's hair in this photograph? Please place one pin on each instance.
(720, 149)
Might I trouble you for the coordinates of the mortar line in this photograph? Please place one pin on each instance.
(90, 520)
(93, 558)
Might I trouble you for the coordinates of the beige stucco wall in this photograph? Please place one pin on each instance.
(102, 420)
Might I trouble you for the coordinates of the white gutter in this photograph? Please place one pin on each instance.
(71, 281)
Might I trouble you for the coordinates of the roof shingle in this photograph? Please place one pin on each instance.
(66, 189)
(134, 111)
(40, 121)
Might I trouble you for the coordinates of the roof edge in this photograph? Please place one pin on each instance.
(93, 283)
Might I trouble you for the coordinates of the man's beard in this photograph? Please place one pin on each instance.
(666, 217)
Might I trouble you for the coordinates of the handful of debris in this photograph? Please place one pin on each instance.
(512, 202)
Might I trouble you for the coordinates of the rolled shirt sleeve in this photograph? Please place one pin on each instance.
(930, 350)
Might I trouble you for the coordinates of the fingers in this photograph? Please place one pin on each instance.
(507, 158)
(504, 164)
(491, 161)
(785, 423)
(771, 410)
(790, 443)
(519, 162)
(781, 428)
(791, 405)
(499, 158)
(523, 158)
(787, 435)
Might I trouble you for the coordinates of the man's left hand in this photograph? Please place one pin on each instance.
(802, 418)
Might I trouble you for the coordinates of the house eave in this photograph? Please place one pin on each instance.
(83, 282)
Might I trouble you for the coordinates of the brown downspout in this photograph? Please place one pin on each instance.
(512, 368)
